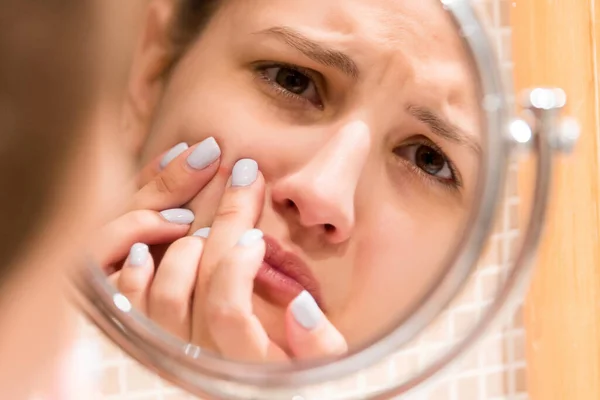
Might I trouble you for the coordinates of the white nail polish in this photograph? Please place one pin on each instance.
(173, 154)
(203, 233)
(138, 255)
(306, 311)
(244, 173)
(250, 237)
(179, 216)
(206, 153)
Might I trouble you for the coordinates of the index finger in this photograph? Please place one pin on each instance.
(182, 177)
(238, 212)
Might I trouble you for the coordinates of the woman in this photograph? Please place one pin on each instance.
(337, 161)
(58, 143)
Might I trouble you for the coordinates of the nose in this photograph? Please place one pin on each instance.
(320, 195)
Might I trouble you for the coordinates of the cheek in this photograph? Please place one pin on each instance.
(242, 127)
(402, 251)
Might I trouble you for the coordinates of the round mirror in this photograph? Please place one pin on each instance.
(317, 183)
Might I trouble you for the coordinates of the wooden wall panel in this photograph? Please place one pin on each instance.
(555, 43)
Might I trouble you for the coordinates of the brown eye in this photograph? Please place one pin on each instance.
(426, 158)
(293, 81)
(429, 160)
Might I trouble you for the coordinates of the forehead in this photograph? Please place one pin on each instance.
(409, 46)
(420, 27)
(415, 37)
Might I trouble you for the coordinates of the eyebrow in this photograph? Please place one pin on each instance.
(439, 126)
(314, 50)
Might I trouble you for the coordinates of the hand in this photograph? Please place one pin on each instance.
(202, 289)
(169, 181)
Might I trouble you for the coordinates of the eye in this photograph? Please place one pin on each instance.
(428, 159)
(292, 82)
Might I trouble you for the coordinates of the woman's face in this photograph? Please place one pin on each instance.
(371, 211)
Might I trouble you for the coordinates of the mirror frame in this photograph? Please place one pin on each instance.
(210, 376)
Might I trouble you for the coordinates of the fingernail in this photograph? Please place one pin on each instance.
(250, 237)
(203, 233)
(138, 255)
(206, 153)
(179, 216)
(306, 311)
(173, 154)
(244, 172)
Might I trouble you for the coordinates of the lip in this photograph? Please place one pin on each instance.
(283, 276)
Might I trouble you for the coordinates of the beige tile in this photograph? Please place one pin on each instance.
(378, 376)
(468, 295)
(109, 351)
(492, 253)
(513, 247)
(520, 380)
(146, 396)
(487, 8)
(470, 361)
(468, 388)
(406, 364)
(463, 321)
(110, 381)
(504, 17)
(437, 332)
(489, 283)
(506, 49)
(495, 385)
(512, 189)
(517, 320)
(513, 216)
(139, 379)
(492, 350)
(518, 342)
(441, 391)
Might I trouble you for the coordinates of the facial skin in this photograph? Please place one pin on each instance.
(373, 226)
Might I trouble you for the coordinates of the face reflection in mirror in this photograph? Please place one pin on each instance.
(363, 119)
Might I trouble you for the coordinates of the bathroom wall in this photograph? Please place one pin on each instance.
(493, 370)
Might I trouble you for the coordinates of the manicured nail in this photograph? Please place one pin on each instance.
(244, 172)
(203, 233)
(138, 255)
(250, 237)
(179, 216)
(173, 154)
(206, 153)
(306, 311)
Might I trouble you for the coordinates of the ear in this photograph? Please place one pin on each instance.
(146, 79)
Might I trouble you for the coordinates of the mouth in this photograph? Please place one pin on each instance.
(283, 276)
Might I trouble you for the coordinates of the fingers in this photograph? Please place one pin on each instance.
(310, 334)
(159, 163)
(171, 292)
(236, 331)
(144, 226)
(185, 172)
(237, 213)
(136, 275)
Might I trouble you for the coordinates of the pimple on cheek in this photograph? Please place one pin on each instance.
(224, 171)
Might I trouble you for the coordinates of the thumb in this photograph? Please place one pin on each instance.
(309, 333)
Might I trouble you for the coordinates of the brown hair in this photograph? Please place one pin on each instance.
(45, 90)
(191, 18)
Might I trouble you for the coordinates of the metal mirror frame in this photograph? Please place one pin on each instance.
(206, 374)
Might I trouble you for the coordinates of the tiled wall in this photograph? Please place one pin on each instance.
(494, 370)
